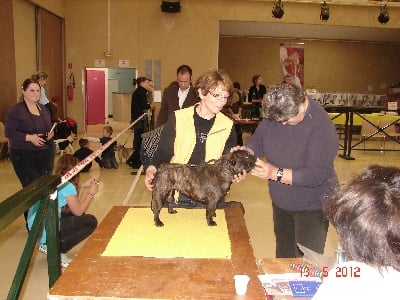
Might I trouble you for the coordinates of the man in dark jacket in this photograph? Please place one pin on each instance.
(179, 94)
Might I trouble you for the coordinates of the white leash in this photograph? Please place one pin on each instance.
(77, 168)
(132, 188)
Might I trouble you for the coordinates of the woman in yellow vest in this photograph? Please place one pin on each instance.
(199, 133)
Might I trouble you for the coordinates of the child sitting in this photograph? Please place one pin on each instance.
(108, 156)
(75, 224)
(83, 152)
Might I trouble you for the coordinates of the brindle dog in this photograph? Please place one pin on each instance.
(207, 183)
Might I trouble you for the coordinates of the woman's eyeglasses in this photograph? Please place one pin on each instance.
(219, 96)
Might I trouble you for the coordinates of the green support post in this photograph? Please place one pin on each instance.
(53, 241)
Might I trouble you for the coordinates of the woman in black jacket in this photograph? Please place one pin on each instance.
(139, 105)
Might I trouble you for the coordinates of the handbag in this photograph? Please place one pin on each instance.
(150, 142)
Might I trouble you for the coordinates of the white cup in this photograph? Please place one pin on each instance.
(241, 282)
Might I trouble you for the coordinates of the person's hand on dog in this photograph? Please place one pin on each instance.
(148, 180)
(236, 148)
(239, 177)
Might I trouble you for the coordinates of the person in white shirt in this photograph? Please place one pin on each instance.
(366, 215)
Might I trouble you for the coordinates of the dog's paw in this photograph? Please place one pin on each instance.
(159, 223)
(211, 222)
(172, 211)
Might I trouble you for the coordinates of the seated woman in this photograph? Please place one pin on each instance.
(75, 225)
(366, 215)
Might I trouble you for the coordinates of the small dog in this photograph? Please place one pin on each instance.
(207, 183)
(123, 152)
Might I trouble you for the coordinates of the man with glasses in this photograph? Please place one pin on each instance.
(179, 94)
(197, 134)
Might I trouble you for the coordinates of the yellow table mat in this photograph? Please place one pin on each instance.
(185, 234)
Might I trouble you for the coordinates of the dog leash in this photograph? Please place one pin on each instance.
(126, 140)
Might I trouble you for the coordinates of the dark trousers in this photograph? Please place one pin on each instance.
(308, 228)
(30, 165)
(138, 130)
(186, 202)
(74, 229)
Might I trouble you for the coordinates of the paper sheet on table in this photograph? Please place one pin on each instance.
(315, 258)
(185, 234)
(278, 284)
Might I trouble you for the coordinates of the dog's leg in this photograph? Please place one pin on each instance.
(170, 201)
(156, 205)
(210, 212)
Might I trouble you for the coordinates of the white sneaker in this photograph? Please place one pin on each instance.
(43, 248)
(65, 260)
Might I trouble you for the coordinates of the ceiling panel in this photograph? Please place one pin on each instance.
(306, 31)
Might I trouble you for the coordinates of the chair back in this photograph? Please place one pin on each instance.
(390, 130)
(367, 129)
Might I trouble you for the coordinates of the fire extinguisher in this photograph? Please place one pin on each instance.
(70, 87)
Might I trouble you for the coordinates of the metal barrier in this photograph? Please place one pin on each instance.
(42, 190)
(37, 193)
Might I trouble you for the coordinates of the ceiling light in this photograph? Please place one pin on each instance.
(277, 11)
(172, 6)
(383, 17)
(324, 16)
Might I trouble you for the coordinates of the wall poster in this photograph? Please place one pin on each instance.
(292, 63)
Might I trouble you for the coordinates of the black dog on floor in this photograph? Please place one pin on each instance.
(207, 183)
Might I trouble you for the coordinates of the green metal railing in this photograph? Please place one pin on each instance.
(41, 192)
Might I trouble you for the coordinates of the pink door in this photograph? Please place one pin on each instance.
(95, 97)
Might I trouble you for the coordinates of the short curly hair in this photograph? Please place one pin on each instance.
(366, 215)
(210, 80)
(282, 102)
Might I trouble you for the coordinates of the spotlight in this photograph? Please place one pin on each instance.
(383, 17)
(277, 11)
(324, 16)
(171, 6)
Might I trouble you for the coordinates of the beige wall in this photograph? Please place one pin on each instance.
(139, 32)
(330, 66)
(25, 41)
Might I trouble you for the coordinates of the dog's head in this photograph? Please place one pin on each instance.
(238, 161)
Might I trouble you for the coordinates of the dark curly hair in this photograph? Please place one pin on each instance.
(366, 215)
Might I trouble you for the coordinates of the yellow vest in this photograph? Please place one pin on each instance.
(185, 139)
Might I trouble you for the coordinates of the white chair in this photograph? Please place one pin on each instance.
(390, 131)
(370, 132)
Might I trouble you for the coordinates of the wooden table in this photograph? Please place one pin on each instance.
(92, 276)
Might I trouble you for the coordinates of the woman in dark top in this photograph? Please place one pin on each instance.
(256, 94)
(28, 126)
(139, 105)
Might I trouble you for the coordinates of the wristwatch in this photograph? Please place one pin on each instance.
(279, 174)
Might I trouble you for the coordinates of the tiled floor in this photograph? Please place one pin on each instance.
(115, 184)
